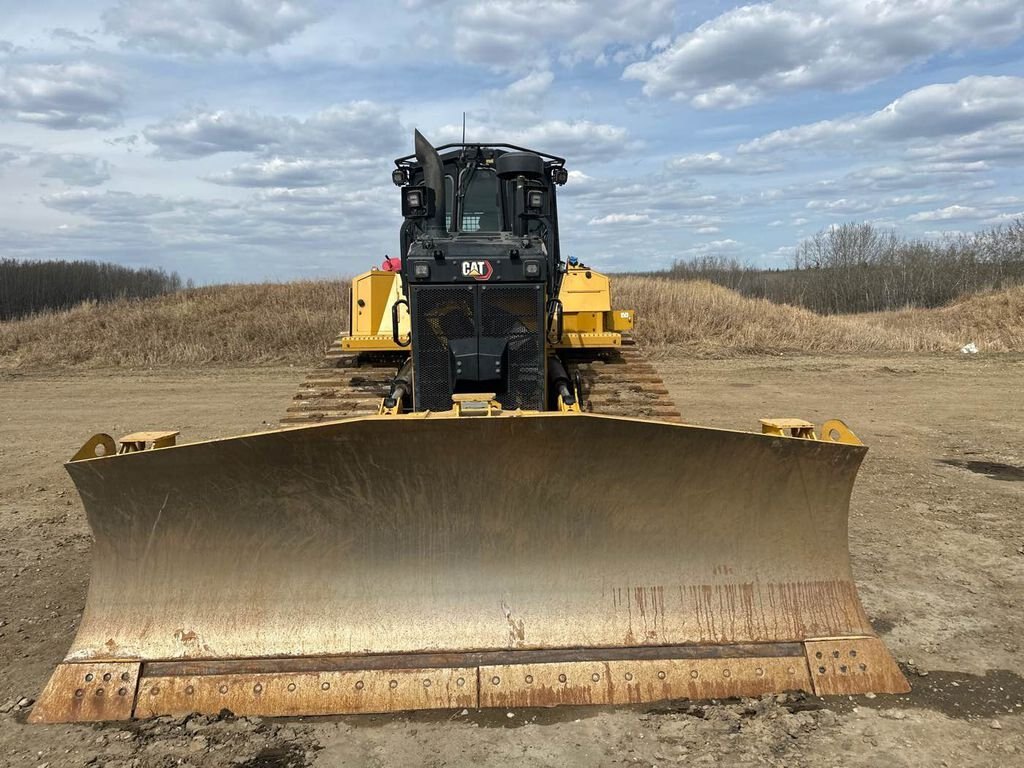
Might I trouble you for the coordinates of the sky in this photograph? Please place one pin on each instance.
(249, 140)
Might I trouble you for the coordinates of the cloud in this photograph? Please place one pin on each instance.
(935, 111)
(755, 52)
(361, 127)
(9, 154)
(209, 27)
(717, 163)
(622, 218)
(525, 94)
(842, 206)
(950, 213)
(109, 206)
(577, 141)
(293, 172)
(516, 34)
(69, 35)
(61, 96)
(532, 86)
(76, 170)
(202, 133)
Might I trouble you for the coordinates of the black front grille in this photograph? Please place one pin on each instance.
(514, 313)
(444, 314)
(440, 314)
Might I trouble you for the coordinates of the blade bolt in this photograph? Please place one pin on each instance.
(79, 693)
(324, 686)
(426, 683)
(155, 691)
(125, 676)
(661, 675)
(258, 688)
(90, 677)
(190, 690)
(122, 691)
(529, 679)
(759, 672)
(726, 673)
(106, 678)
(561, 678)
(223, 689)
(595, 677)
(359, 685)
(495, 680)
(629, 675)
(291, 686)
(821, 670)
(461, 681)
(393, 684)
(99, 691)
(694, 674)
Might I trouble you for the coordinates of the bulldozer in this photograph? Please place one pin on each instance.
(484, 498)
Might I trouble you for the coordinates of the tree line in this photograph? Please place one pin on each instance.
(861, 268)
(28, 287)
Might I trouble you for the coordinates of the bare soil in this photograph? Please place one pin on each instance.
(937, 537)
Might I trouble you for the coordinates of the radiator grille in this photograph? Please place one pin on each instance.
(448, 313)
(441, 314)
(514, 313)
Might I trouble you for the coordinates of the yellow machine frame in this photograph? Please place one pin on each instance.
(588, 318)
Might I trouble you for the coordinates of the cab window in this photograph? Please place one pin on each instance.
(481, 207)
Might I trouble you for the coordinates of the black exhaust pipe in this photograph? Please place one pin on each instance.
(433, 177)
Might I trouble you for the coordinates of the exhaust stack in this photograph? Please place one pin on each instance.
(433, 177)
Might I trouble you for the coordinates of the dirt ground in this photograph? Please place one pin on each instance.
(937, 536)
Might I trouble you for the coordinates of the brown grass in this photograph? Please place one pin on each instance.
(699, 317)
(268, 323)
(294, 322)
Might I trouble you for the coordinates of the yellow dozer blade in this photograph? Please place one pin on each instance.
(421, 561)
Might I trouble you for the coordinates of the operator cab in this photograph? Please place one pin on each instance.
(480, 263)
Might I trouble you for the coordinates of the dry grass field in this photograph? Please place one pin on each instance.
(294, 322)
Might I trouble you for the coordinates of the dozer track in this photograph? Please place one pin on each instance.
(620, 382)
(615, 382)
(346, 384)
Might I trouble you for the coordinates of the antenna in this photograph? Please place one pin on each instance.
(463, 127)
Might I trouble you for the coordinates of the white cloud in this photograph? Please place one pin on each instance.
(292, 172)
(208, 27)
(61, 96)
(724, 247)
(71, 37)
(950, 213)
(530, 87)
(755, 52)
(76, 170)
(203, 133)
(955, 109)
(515, 34)
(577, 141)
(841, 206)
(109, 206)
(716, 163)
(361, 127)
(622, 218)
